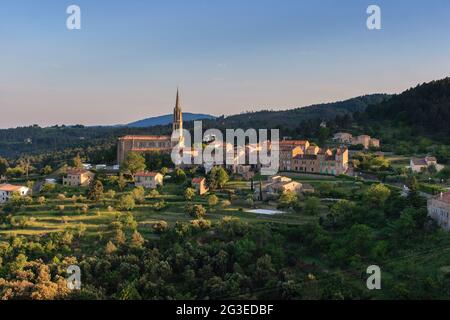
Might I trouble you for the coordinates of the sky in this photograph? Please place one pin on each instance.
(227, 56)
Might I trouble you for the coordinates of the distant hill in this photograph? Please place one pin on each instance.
(167, 119)
(293, 117)
(425, 108)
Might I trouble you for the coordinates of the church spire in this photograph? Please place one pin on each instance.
(177, 103)
(177, 114)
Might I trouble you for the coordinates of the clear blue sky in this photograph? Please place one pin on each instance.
(227, 56)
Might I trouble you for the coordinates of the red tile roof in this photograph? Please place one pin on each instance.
(147, 174)
(9, 187)
(197, 180)
(77, 171)
(293, 142)
(162, 138)
(444, 197)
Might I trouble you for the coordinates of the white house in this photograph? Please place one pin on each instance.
(7, 190)
(421, 164)
(149, 180)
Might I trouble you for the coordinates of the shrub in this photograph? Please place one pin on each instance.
(127, 203)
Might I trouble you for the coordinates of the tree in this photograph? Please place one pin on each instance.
(41, 200)
(138, 194)
(96, 191)
(377, 195)
(121, 182)
(189, 194)
(25, 164)
(137, 241)
(153, 194)
(288, 199)
(46, 170)
(261, 198)
(110, 248)
(3, 166)
(127, 202)
(312, 206)
(77, 162)
(196, 211)
(218, 177)
(213, 200)
(179, 175)
(134, 163)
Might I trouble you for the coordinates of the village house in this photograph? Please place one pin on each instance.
(439, 210)
(200, 185)
(287, 153)
(8, 190)
(422, 164)
(78, 178)
(148, 180)
(277, 185)
(364, 140)
(343, 137)
(325, 161)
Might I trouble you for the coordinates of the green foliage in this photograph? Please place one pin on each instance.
(217, 178)
(77, 162)
(288, 199)
(134, 162)
(196, 211)
(189, 194)
(3, 166)
(96, 191)
(213, 200)
(127, 203)
(377, 195)
(179, 175)
(138, 194)
(370, 162)
(312, 206)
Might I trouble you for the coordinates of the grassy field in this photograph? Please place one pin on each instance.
(58, 214)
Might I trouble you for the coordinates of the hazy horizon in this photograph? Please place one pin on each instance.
(227, 57)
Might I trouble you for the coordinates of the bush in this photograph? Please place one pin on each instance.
(225, 203)
(160, 226)
(127, 203)
(213, 200)
(201, 224)
(138, 194)
(196, 211)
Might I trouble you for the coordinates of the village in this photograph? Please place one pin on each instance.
(310, 179)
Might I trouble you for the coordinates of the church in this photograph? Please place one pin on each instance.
(148, 144)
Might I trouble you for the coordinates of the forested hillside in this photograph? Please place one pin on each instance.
(425, 108)
(292, 118)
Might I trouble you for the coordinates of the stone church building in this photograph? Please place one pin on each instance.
(147, 144)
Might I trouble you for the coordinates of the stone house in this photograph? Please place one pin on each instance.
(148, 180)
(78, 178)
(422, 164)
(439, 210)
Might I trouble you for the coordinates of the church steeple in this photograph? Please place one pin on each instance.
(177, 115)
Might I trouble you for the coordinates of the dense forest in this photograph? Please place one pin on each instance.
(233, 259)
(425, 108)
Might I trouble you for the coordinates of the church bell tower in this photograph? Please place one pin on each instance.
(178, 118)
